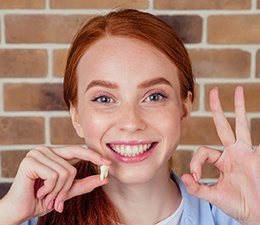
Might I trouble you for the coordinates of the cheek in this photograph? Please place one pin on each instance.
(94, 127)
(170, 125)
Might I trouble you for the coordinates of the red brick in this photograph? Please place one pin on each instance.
(21, 130)
(101, 4)
(45, 28)
(59, 62)
(181, 161)
(227, 96)
(255, 131)
(33, 97)
(188, 27)
(209, 171)
(258, 64)
(24, 4)
(234, 29)
(10, 161)
(201, 131)
(23, 63)
(195, 105)
(225, 63)
(202, 4)
(62, 132)
(181, 165)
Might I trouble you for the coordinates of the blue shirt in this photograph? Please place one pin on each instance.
(196, 211)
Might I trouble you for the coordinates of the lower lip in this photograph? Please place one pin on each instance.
(133, 159)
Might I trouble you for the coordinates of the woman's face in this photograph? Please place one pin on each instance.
(129, 107)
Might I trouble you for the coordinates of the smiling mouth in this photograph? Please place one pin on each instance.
(131, 150)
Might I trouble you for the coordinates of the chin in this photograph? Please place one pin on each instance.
(132, 175)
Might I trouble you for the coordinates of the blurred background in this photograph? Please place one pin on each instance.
(222, 37)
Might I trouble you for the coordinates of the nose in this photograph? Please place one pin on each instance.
(131, 118)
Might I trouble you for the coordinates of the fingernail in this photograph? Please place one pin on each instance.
(194, 175)
(60, 207)
(105, 160)
(40, 194)
(50, 205)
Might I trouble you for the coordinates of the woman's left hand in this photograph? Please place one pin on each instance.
(237, 191)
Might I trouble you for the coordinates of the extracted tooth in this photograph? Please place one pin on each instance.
(103, 172)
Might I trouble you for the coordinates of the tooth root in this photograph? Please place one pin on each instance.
(103, 172)
(101, 177)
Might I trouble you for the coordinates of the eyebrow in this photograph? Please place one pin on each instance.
(101, 83)
(154, 81)
(145, 84)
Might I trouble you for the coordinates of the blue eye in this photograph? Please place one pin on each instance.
(155, 97)
(103, 99)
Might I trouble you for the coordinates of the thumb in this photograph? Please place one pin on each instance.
(199, 190)
(85, 185)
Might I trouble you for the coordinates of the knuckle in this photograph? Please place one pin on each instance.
(63, 195)
(73, 171)
(202, 150)
(38, 151)
(53, 175)
(32, 153)
(28, 160)
(63, 173)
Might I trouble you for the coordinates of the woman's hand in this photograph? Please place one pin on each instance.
(45, 179)
(237, 191)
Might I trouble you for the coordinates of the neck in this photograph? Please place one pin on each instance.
(146, 203)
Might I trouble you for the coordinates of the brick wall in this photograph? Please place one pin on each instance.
(223, 38)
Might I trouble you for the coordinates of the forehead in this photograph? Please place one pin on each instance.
(130, 58)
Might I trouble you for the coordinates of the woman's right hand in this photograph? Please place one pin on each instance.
(46, 179)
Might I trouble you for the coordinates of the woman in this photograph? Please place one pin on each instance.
(129, 88)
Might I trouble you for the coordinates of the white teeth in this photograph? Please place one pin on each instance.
(103, 172)
(135, 150)
(130, 150)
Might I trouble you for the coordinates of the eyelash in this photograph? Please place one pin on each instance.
(100, 96)
(162, 94)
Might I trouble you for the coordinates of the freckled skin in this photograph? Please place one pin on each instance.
(119, 70)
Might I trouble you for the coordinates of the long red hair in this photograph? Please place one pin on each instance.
(95, 208)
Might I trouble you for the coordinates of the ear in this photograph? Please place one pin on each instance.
(186, 108)
(75, 120)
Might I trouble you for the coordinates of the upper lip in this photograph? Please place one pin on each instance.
(130, 142)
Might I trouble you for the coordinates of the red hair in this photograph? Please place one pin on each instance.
(95, 208)
(131, 24)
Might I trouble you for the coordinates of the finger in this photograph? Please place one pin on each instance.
(79, 187)
(203, 155)
(60, 169)
(35, 170)
(199, 190)
(85, 185)
(242, 129)
(54, 158)
(223, 128)
(79, 152)
(62, 186)
(63, 191)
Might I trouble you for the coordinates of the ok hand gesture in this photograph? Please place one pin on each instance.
(237, 191)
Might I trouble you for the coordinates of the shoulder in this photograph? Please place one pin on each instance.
(198, 211)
